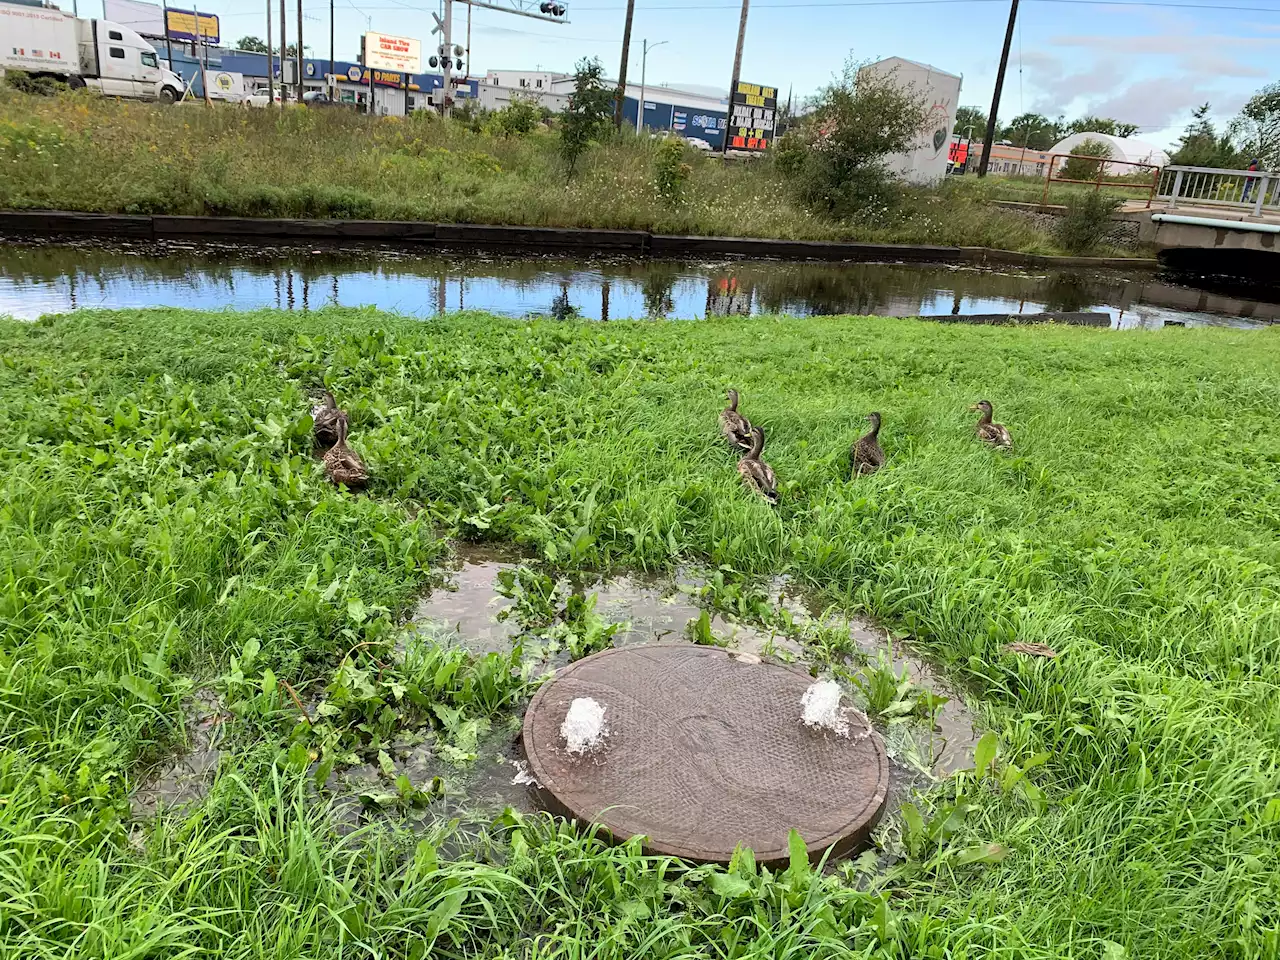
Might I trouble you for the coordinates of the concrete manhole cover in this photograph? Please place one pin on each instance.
(703, 750)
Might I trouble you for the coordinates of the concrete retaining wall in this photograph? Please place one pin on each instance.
(1123, 233)
(52, 222)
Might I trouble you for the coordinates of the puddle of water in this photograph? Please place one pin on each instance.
(660, 610)
(187, 777)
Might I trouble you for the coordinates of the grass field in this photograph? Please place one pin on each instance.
(166, 530)
(91, 154)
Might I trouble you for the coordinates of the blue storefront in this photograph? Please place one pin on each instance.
(686, 121)
(393, 89)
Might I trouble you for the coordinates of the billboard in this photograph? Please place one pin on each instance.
(753, 110)
(385, 52)
(146, 19)
(181, 25)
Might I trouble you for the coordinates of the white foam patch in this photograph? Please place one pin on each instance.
(523, 777)
(583, 728)
(822, 710)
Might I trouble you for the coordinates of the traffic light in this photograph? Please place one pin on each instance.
(555, 9)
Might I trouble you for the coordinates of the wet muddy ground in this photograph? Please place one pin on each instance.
(468, 611)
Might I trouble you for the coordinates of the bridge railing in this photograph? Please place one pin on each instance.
(1213, 186)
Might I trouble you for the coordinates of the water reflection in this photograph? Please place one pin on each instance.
(38, 278)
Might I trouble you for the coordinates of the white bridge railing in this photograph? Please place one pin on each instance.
(1211, 186)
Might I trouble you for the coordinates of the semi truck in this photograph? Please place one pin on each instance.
(104, 56)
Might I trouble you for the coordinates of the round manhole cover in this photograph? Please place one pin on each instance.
(704, 750)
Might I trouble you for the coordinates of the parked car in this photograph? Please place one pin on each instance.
(261, 98)
(698, 143)
(318, 98)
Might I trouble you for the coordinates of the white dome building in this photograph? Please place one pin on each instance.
(1122, 148)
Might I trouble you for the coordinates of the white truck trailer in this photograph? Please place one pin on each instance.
(98, 54)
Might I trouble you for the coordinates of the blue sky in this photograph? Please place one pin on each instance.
(1146, 64)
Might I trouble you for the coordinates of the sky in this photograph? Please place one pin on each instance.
(1147, 63)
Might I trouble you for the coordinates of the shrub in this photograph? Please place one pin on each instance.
(518, 118)
(789, 152)
(1085, 162)
(39, 86)
(1086, 222)
(587, 114)
(670, 170)
(860, 120)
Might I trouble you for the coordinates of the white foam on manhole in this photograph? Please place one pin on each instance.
(583, 729)
(822, 710)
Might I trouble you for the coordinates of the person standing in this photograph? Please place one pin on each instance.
(1250, 182)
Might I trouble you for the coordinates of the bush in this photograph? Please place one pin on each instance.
(518, 118)
(1085, 162)
(39, 86)
(789, 152)
(860, 120)
(1087, 222)
(670, 170)
(587, 115)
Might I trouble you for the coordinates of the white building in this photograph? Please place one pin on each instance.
(1122, 148)
(927, 162)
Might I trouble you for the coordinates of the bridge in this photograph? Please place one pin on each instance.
(1211, 217)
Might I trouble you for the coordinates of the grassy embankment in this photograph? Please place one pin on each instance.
(164, 528)
(89, 154)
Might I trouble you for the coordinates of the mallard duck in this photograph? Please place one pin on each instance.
(996, 434)
(735, 427)
(326, 415)
(865, 456)
(757, 474)
(342, 464)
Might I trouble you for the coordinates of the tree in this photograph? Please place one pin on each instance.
(1032, 130)
(1107, 125)
(251, 45)
(1085, 162)
(858, 121)
(1257, 128)
(971, 119)
(587, 115)
(1202, 146)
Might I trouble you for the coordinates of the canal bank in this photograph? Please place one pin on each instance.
(42, 223)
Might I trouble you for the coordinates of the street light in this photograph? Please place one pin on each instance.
(644, 60)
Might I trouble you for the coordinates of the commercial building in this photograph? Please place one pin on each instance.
(684, 112)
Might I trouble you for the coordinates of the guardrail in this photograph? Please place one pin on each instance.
(1216, 187)
(1097, 166)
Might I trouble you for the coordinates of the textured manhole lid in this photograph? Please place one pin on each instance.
(705, 751)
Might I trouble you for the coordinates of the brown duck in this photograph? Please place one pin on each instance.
(326, 415)
(735, 427)
(865, 456)
(757, 474)
(342, 464)
(995, 434)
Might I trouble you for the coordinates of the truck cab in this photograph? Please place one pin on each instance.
(119, 63)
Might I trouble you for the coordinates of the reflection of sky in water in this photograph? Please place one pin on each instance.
(54, 279)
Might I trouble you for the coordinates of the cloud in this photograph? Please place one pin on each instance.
(1219, 55)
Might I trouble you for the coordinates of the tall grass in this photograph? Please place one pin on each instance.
(165, 527)
(76, 152)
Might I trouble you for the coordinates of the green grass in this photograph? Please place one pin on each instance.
(78, 152)
(164, 527)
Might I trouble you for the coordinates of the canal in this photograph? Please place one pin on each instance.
(47, 277)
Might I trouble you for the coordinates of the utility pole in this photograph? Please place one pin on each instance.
(737, 75)
(995, 99)
(204, 64)
(448, 57)
(622, 70)
(284, 54)
(331, 41)
(271, 70)
(644, 63)
(301, 88)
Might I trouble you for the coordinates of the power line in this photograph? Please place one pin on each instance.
(1165, 4)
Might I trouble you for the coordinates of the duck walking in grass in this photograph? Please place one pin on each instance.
(326, 415)
(865, 456)
(995, 434)
(735, 427)
(342, 464)
(757, 474)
